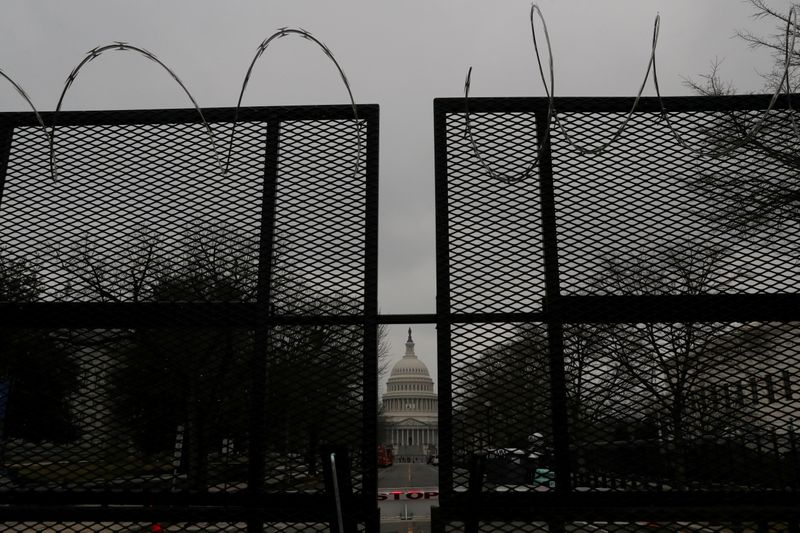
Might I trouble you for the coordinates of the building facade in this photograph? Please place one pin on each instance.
(411, 409)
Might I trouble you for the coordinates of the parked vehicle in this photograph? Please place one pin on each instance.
(385, 456)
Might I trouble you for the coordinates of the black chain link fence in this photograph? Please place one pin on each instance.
(621, 330)
(177, 334)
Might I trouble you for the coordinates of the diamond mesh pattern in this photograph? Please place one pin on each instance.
(647, 203)
(657, 365)
(106, 409)
(129, 200)
(212, 357)
(320, 220)
(495, 254)
(719, 414)
(72, 527)
(642, 526)
(299, 421)
(501, 405)
(148, 527)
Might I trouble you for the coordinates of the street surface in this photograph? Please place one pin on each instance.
(406, 492)
(409, 475)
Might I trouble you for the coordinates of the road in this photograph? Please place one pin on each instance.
(407, 492)
(409, 475)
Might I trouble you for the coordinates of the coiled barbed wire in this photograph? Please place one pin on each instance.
(25, 96)
(284, 32)
(123, 46)
(96, 52)
(552, 112)
(759, 123)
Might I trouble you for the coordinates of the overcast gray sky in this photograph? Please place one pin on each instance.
(399, 54)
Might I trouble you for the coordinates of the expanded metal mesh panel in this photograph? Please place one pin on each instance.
(641, 319)
(329, 411)
(210, 359)
(74, 527)
(144, 410)
(157, 527)
(698, 406)
(641, 526)
(523, 527)
(160, 526)
(320, 220)
(494, 231)
(131, 202)
(501, 405)
(649, 216)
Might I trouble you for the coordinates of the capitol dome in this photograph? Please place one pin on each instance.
(410, 366)
(410, 408)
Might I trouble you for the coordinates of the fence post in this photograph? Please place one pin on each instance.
(555, 330)
(475, 489)
(795, 465)
(258, 430)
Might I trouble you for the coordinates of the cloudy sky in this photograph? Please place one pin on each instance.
(399, 54)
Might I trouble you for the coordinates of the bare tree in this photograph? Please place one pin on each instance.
(200, 379)
(776, 43)
(594, 378)
(38, 372)
(668, 364)
(759, 196)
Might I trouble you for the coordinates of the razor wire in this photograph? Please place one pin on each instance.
(96, 52)
(123, 46)
(284, 32)
(750, 135)
(553, 117)
(25, 96)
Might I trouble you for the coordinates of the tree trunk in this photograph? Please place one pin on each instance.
(679, 449)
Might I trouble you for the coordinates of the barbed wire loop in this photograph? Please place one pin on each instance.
(553, 118)
(285, 32)
(752, 133)
(27, 99)
(96, 52)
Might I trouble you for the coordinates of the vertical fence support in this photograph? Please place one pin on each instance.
(437, 523)
(370, 365)
(258, 430)
(555, 330)
(6, 136)
(443, 309)
(477, 468)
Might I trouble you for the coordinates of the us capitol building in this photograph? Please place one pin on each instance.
(410, 409)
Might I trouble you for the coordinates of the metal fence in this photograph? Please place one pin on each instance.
(179, 341)
(618, 331)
